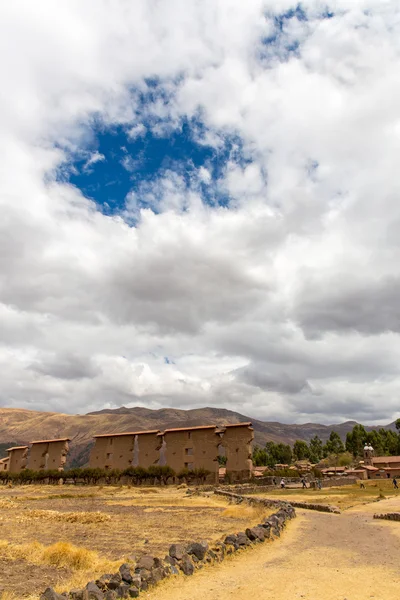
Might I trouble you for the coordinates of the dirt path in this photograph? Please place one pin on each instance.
(320, 557)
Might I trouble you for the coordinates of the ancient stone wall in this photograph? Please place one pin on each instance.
(48, 454)
(239, 498)
(237, 440)
(123, 450)
(192, 448)
(18, 458)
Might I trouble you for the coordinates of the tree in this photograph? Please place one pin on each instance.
(272, 454)
(316, 450)
(355, 440)
(334, 445)
(301, 450)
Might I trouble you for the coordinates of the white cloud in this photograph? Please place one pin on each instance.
(282, 305)
(94, 158)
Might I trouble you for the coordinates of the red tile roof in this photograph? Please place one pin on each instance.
(190, 428)
(248, 424)
(102, 435)
(386, 459)
(48, 441)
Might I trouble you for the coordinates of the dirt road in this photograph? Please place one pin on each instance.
(319, 557)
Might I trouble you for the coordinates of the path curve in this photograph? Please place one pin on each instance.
(319, 557)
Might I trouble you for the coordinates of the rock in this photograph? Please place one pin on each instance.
(134, 592)
(242, 539)
(110, 595)
(93, 592)
(157, 575)
(146, 562)
(174, 570)
(177, 551)
(136, 580)
(158, 562)
(123, 590)
(186, 565)
(114, 582)
(102, 582)
(171, 561)
(255, 534)
(198, 549)
(125, 573)
(76, 594)
(50, 594)
(231, 539)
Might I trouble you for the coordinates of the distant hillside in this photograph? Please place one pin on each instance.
(23, 426)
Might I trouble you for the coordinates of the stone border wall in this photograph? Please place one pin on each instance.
(182, 558)
(326, 483)
(272, 502)
(388, 516)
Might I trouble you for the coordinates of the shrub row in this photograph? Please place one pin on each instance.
(136, 475)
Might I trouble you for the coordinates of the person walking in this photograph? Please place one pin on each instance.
(303, 481)
(394, 480)
(319, 484)
(282, 483)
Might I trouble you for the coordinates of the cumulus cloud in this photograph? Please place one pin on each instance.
(280, 304)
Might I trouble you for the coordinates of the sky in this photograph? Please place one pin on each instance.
(200, 206)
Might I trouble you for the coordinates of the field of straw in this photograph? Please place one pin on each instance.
(67, 536)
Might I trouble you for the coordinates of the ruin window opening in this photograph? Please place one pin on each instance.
(189, 466)
(189, 451)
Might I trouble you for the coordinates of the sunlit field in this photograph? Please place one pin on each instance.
(67, 536)
(343, 497)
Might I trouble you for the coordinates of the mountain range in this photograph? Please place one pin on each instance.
(20, 426)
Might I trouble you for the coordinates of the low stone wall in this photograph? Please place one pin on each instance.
(182, 558)
(326, 483)
(388, 516)
(237, 498)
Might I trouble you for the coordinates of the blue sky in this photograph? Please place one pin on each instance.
(122, 159)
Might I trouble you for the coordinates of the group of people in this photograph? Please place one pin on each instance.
(303, 482)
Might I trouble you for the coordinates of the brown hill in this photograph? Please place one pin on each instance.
(23, 426)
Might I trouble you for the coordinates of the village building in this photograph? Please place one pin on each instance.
(17, 459)
(48, 454)
(379, 467)
(124, 450)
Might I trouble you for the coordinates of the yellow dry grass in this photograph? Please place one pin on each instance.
(246, 512)
(83, 563)
(86, 518)
(7, 503)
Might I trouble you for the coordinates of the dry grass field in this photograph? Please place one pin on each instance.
(343, 497)
(66, 536)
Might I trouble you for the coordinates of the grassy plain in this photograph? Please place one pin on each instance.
(66, 536)
(343, 497)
